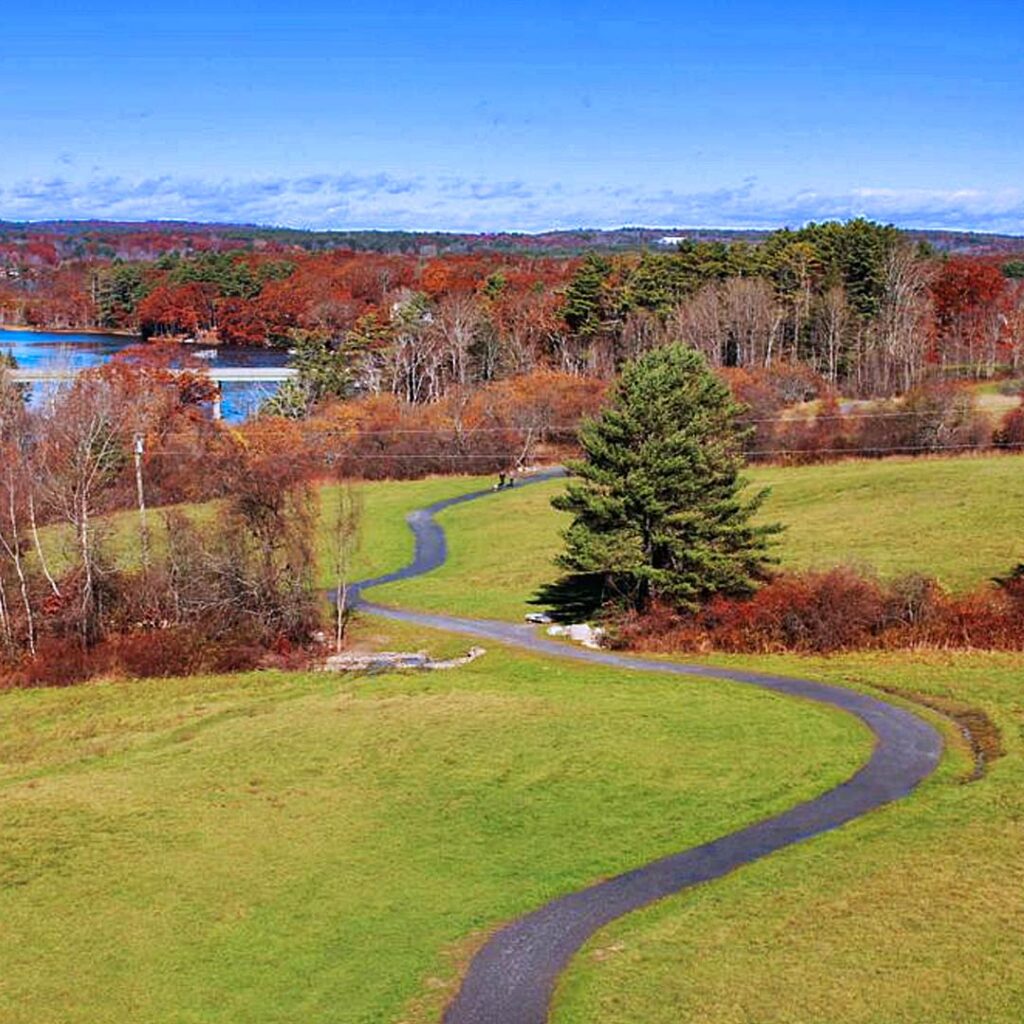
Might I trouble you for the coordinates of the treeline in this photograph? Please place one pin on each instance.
(54, 241)
(872, 312)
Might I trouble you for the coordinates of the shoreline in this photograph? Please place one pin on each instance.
(109, 332)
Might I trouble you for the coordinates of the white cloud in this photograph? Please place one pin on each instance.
(341, 200)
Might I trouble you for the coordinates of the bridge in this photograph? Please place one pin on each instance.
(222, 374)
(219, 374)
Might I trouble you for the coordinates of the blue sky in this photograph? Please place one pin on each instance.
(521, 116)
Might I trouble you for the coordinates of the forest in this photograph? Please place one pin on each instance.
(838, 337)
(869, 309)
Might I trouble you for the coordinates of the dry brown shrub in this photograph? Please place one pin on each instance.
(838, 610)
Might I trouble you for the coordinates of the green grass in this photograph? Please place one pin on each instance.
(384, 540)
(960, 519)
(278, 848)
(500, 549)
(913, 915)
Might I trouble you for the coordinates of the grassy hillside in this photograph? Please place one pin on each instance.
(959, 519)
(300, 848)
(913, 915)
(287, 848)
(384, 540)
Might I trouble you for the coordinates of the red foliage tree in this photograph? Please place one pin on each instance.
(239, 322)
(968, 296)
(181, 309)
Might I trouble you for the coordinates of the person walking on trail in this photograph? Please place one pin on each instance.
(501, 481)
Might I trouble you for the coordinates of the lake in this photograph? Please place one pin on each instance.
(42, 349)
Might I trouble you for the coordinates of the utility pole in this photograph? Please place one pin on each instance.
(143, 525)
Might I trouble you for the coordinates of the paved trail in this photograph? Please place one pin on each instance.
(511, 979)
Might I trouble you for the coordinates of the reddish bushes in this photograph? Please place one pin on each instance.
(934, 417)
(1011, 430)
(839, 610)
(177, 651)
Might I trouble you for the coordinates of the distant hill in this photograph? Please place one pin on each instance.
(142, 240)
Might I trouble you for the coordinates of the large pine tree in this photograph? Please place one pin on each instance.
(657, 503)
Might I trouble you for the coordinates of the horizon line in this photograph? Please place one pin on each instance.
(732, 229)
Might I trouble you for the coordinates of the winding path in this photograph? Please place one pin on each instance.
(510, 980)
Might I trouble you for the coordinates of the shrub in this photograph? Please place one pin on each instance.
(838, 610)
(766, 392)
(933, 417)
(813, 613)
(825, 436)
(1010, 433)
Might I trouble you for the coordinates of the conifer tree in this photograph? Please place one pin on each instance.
(657, 503)
(584, 298)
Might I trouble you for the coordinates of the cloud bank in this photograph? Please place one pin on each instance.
(463, 204)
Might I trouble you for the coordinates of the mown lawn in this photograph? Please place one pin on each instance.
(913, 915)
(960, 519)
(294, 848)
(280, 848)
(501, 548)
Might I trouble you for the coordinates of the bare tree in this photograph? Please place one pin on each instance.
(457, 324)
(11, 543)
(344, 538)
(831, 325)
(1013, 324)
(904, 321)
(14, 482)
(84, 449)
(733, 324)
(699, 322)
(752, 319)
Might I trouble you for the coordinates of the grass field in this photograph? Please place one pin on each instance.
(913, 915)
(960, 519)
(272, 848)
(385, 542)
(284, 848)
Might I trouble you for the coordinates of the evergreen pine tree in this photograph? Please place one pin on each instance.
(657, 503)
(584, 297)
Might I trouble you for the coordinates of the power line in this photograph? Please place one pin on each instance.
(464, 456)
(454, 432)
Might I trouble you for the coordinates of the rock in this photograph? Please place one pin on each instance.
(394, 661)
(579, 632)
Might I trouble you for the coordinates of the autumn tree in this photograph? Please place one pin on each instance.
(967, 295)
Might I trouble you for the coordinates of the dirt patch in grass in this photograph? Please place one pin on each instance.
(440, 988)
(980, 733)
